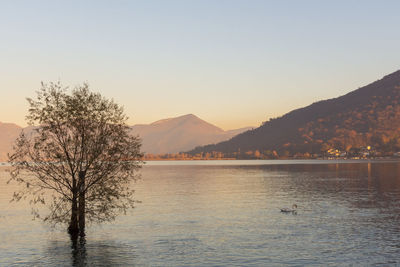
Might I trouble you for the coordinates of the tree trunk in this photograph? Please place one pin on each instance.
(73, 228)
(81, 203)
(73, 225)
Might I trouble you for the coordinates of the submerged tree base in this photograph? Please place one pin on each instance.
(78, 251)
(73, 231)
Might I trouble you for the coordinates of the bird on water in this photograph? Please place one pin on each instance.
(287, 210)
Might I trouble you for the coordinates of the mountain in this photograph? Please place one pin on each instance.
(180, 134)
(8, 133)
(368, 116)
(164, 136)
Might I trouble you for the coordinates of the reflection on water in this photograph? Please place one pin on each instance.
(81, 252)
(218, 213)
(78, 250)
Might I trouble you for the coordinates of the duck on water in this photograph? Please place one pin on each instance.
(292, 210)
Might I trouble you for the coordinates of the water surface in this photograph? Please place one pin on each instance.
(226, 213)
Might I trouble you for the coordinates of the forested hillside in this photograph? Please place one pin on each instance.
(368, 116)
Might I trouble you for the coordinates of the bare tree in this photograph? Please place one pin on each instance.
(80, 159)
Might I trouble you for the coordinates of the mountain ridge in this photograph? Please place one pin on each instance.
(171, 135)
(367, 115)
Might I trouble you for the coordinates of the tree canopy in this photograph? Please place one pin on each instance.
(79, 158)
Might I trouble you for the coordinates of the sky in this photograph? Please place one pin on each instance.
(232, 63)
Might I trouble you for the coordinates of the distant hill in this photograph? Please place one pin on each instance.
(8, 133)
(368, 116)
(180, 134)
(164, 136)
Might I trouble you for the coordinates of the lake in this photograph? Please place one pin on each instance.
(227, 213)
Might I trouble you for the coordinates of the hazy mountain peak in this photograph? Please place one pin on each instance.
(180, 118)
(189, 116)
(9, 124)
(159, 121)
(180, 133)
